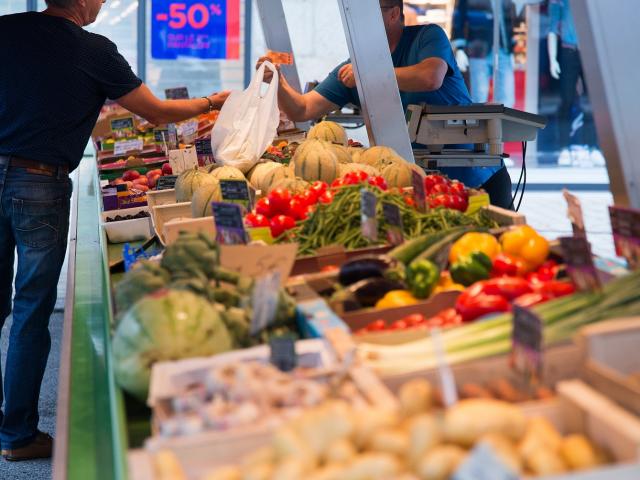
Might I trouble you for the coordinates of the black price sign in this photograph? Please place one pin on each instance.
(576, 252)
(236, 191)
(122, 124)
(161, 135)
(625, 224)
(229, 220)
(393, 219)
(203, 146)
(526, 351)
(179, 93)
(283, 353)
(419, 192)
(368, 207)
(172, 140)
(166, 182)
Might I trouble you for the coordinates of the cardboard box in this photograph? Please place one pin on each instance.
(611, 360)
(127, 230)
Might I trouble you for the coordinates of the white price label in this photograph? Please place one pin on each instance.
(264, 302)
(124, 146)
(181, 160)
(447, 380)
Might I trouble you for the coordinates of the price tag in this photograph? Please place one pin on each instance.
(264, 301)
(419, 192)
(574, 212)
(483, 463)
(576, 252)
(178, 93)
(161, 136)
(204, 151)
(172, 142)
(124, 146)
(625, 224)
(447, 380)
(167, 182)
(283, 353)
(236, 191)
(187, 131)
(229, 220)
(122, 126)
(260, 234)
(393, 219)
(184, 159)
(369, 221)
(526, 344)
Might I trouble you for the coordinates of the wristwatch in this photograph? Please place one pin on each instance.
(211, 108)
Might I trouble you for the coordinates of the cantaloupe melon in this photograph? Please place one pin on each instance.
(355, 153)
(316, 161)
(228, 173)
(202, 198)
(398, 174)
(342, 154)
(329, 131)
(358, 167)
(293, 185)
(189, 181)
(263, 179)
(379, 156)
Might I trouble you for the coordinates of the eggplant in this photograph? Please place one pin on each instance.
(365, 293)
(366, 266)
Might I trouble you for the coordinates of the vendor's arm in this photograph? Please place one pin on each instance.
(425, 76)
(144, 103)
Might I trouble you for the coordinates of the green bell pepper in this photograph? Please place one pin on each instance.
(422, 277)
(471, 268)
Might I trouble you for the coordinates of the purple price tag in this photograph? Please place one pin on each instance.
(576, 252)
(419, 192)
(625, 224)
(526, 349)
(229, 220)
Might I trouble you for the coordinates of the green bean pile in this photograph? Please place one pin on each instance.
(340, 221)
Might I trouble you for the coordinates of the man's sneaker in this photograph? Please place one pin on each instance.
(40, 447)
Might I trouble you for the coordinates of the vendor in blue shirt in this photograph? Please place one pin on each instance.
(426, 72)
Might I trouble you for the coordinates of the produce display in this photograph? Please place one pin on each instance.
(137, 181)
(119, 218)
(337, 442)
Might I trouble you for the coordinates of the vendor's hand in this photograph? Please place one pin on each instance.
(462, 60)
(554, 68)
(268, 74)
(219, 98)
(346, 76)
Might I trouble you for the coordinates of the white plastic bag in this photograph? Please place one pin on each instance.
(247, 124)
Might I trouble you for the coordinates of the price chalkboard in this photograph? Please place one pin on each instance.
(178, 93)
(161, 135)
(419, 192)
(283, 353)
(576, 252)
(172, 141)
(369, 222)
(236, 191)
(526, 349)
(393, 219)
(625, 224)
(166, 182)
(122, 124)
(229, 220)
(203, 146)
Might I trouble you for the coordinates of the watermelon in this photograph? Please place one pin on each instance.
(315, 161)
(330, 132)
(167, 325)
(189, 181)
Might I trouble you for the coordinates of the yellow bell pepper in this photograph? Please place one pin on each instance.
(526, 244)
(474, 242)
(446, 284)
(397, 298)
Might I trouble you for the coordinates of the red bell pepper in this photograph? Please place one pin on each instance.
(556, 288)
(505, 265)
(471, 307)
(531, 299)
(508, 287)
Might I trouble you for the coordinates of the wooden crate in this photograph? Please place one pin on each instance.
(170, 220)
(156, 198)
(611, 355)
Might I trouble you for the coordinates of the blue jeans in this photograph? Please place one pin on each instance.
(34, 219)
(480, 72)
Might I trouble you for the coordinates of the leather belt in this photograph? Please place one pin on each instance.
(33, 166)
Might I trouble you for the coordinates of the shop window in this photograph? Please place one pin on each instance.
(12, 6)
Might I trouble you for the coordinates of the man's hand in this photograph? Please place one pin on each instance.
(268, 74)
(346, 76)
(219, 98)
(462, 60)
(554, 68)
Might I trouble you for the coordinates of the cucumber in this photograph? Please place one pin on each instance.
(410, 249)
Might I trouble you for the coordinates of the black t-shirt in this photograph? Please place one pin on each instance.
(54, 78)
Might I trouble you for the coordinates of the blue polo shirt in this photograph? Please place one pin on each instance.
(417, 44)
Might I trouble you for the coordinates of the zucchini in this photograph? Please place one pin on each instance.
(435, 252)
(410, 249)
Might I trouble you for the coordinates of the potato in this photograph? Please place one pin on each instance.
(167, 466)
(440, 462)
(425, 432)
(262, 471)
(288, 444)
(394, 441)
(504, 449)
(468, 420)
(261, 455)
(290, 469)
(545, 461)
(371, 466)
(341, 451)
(330, 472)
(370, 420)
(578, 453)
(324, 425)
(540, 433)
(416, 396)
(225, 473)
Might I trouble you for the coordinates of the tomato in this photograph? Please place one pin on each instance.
(377, 325)
(297, 208)
(153, 180)
(378, 181)
(410, 201)
(337, 183)
(263, 207)
(309, 197)
(414, 319)
(326, 197)
(399, 325)
(441, 200)
(130, 175)
(254, 220)
(458, 203)
(458, 188)
(166, 169)
(280, 224)
(436, 321)
(330, 268)
(440, 188)
(309, 211)
(432, 180)
(353, 178)
(279, 200)
(142, 180)
(318, 188)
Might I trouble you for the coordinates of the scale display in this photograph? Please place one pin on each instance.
(198, 29)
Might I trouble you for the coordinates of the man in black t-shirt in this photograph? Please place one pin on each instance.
(54, 78)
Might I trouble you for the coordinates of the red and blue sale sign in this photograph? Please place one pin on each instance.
(208, 29)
